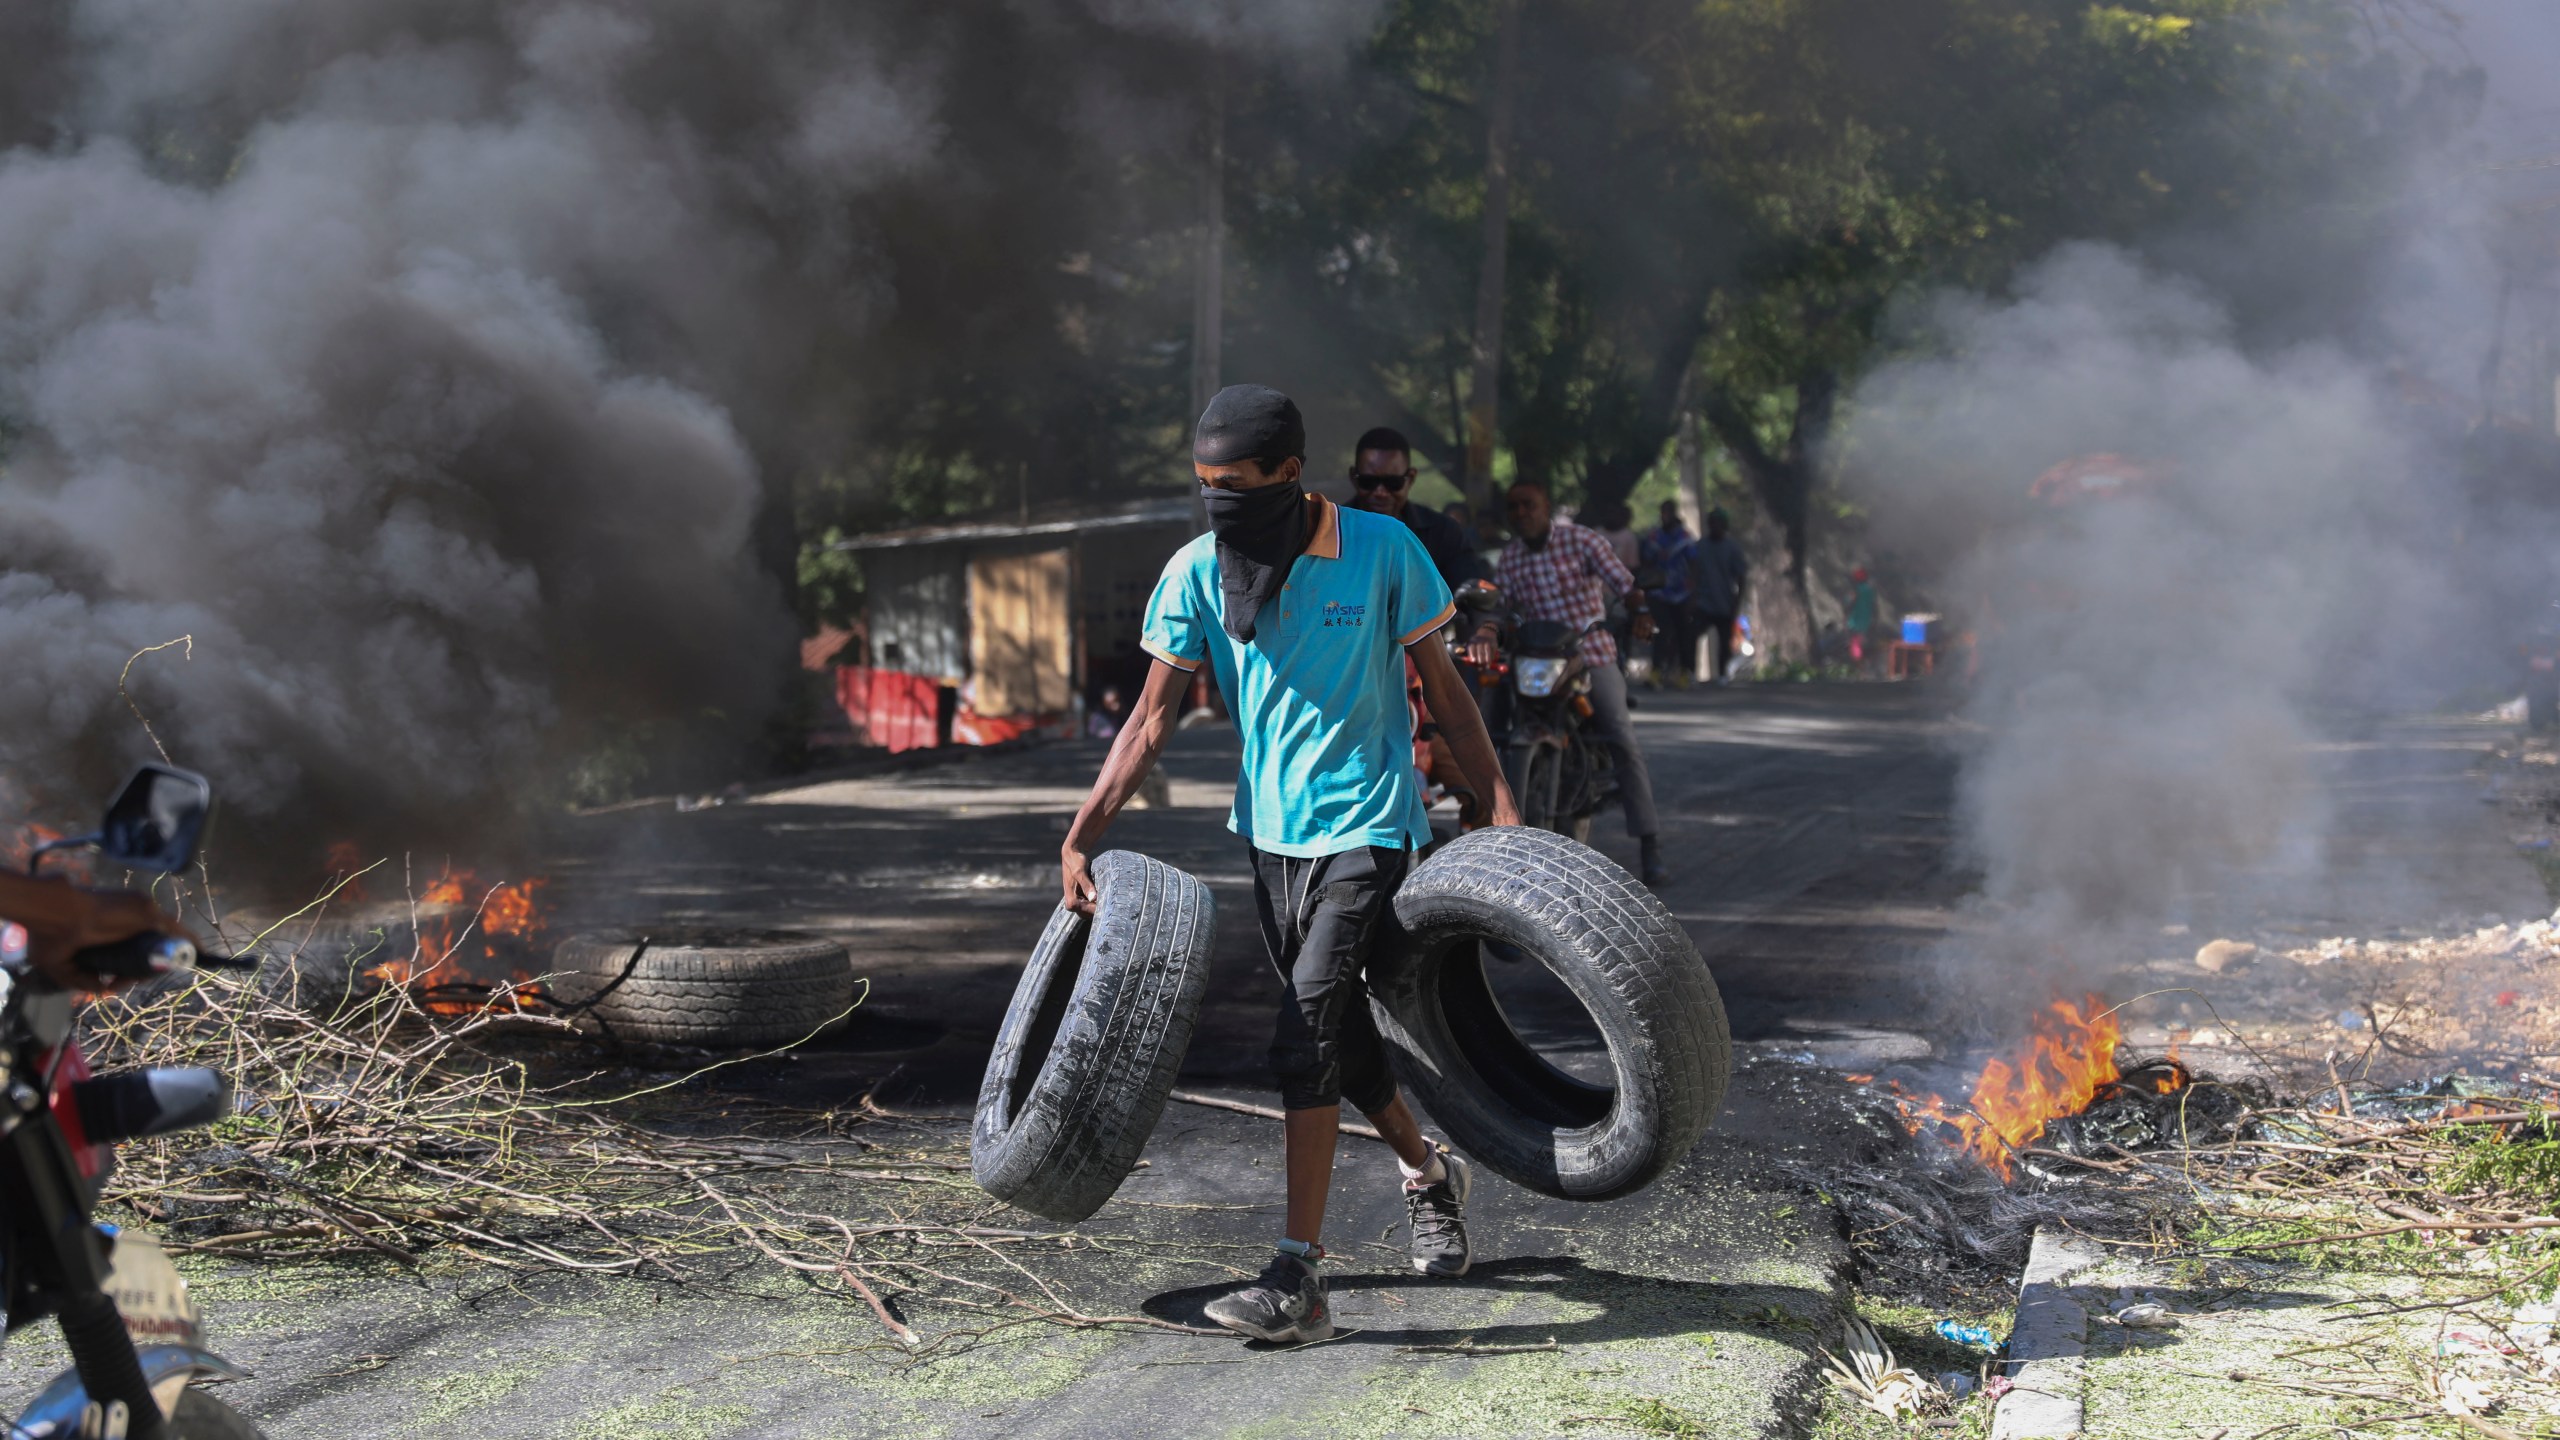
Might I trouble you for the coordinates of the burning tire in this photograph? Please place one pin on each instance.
(1093, 1039)
(1624, 957)
(710, 988)
(324, 965)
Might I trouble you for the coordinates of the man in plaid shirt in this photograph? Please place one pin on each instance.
(1557, 570)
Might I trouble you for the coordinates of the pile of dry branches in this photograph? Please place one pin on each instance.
(385, 1133)
(2429, 1166)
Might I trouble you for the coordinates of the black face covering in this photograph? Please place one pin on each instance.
(1261, 532)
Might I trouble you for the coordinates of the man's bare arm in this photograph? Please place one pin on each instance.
(1133, 754)
(1446, 692)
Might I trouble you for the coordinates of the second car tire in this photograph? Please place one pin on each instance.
(714, 989)
(1093, 1039)
(1627, 960)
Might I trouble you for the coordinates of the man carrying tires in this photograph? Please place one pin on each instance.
(1306, 612)
(1556, 570)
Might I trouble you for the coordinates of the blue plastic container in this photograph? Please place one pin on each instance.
(1915, 629)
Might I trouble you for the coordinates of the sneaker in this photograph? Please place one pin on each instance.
(1285, 1304)
(1438, 1214)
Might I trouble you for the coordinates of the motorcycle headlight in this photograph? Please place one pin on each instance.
(1538, 678)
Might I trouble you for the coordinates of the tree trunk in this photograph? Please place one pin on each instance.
(1783, 480)
(1209, 282)
(1693, 472)
(1484, 391)
(1664, 399)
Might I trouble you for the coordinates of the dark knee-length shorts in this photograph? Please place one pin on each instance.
(1322, 918)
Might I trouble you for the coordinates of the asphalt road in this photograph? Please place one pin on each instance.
(1810, 833)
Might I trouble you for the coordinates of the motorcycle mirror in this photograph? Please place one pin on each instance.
(1478, 595)
(1650, 577)
(156, 820)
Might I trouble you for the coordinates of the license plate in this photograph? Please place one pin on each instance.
(151, 1294)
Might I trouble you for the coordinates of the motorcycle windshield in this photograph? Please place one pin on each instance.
(1537, 677)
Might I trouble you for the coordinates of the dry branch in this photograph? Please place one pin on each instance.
(384, 1133)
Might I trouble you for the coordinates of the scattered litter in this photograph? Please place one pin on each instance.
(2350, 1020)
(2460, 1394)
(1956, 1383)
(2149, 1315)
(1972, 1337)
(1875, 1377)
(2217, 956)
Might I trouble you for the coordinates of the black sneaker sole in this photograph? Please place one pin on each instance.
(1292, 1335)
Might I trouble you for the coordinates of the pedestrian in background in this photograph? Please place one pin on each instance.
(1861, 620)
(1671, 549)
(1109, 710)
(1613, 522)
(1724, 578)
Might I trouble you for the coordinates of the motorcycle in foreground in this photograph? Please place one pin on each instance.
(136, 1340)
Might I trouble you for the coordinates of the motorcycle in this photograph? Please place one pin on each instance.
(136, 1338)
(1559, 771)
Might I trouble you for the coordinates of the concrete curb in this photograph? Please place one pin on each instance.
(2047, 1343)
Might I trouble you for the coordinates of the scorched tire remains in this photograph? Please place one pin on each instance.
(711, 988)
(1623, 956)
(1093, 1040)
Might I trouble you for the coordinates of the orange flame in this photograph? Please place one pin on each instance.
(2064, 1064)
(506, 915)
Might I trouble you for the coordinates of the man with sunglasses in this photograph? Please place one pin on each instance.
(1382, 482)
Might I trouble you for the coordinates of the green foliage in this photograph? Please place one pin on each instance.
(830, 587)
(1651, 1416)
(2522, 1169)
(1714, 201)
(2118, 26)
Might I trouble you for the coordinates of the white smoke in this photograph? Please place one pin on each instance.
(2153, 653)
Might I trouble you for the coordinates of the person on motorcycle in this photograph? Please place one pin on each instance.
(1556, 570)
(1307, 611)
(1382, 477)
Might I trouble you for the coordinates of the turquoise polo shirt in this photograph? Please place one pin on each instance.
(1318, 693)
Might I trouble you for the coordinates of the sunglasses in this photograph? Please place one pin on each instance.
(1382, 482)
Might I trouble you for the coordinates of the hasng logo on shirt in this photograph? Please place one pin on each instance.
(1337, 613)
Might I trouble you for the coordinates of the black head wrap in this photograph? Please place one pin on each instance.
(1250, 422)
(1262, 531)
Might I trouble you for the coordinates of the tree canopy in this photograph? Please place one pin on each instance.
(1715, 204)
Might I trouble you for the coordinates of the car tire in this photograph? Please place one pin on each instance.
(701, 987)
(1093, 1040)
(323, 966)
(1624, 957)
